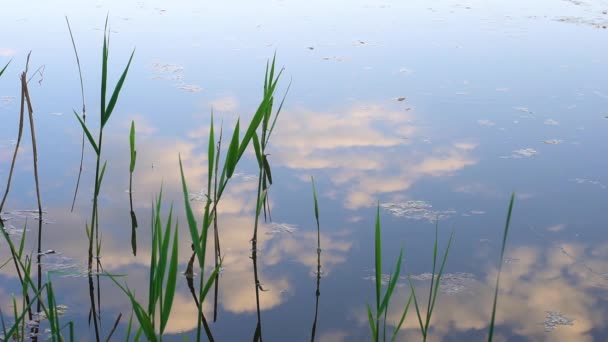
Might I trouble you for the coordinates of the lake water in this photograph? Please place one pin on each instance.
(433, 110)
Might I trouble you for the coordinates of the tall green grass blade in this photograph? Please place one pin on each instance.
(258, 150)
(274, 121)
(232, 155)
(19, 319)
(171, 283)
(405, 310)
(22, 242)
(104, 71)
(438, 281)
(4, 69)
(417, 307)
(378, 259)
(502, 252)
(192, 225)
(267, 169)
(372, 323)
(114, 98)
(428, 307)
(210, 281)
(210, 155)
(88, 134)
(129, 327)
(391, 285)
(132, 147)
(101, 174)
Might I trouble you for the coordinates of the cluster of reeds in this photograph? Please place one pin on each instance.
(153, 317)
(424, 320)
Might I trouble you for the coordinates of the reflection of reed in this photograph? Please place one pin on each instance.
(317, 292)
(257, 336)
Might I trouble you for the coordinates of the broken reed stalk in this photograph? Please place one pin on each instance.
(84, 112)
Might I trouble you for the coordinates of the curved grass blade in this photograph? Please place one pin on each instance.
(87, 133)
(398, 326)
(391, 285)
(502, 252)
(171, 283)
(192, 225)
(4, 69)
(232, 155)
(108, 111)
(372, 325)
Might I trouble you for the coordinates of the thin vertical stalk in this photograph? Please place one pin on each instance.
(84, 112)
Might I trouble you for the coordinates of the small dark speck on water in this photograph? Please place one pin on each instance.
(401, 99)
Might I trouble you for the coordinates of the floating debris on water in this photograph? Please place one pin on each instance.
(386, 278)
(509, 260)
(47, 252)
(450, 283)
(405, 71)
(200, 196)
(551, 122)
(311, 48)
(333, 58)
(522, 153)
(277, 228)
(191, 88)
(555, 318)
(552, 141)
(588, 181)
(486, 123)
(244, 176)
(56, 114)
(173, 72)
(417, 210)
(523, 109)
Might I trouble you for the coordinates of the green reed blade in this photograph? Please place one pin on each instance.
(129, 327)
(104, 71)
(210, 281)
(192, 225)
(232, 154)
(114, 98)
(87, 133)
(502, 252)
(391, 285)
(101, 174)
(276, 116)
(132, 147)
(437, 281)
(428, 307)
(405, 310)
(6, 66)
(416, 306)
(171, 283)
(267, 169)
(372, 324)
(210, 155)
(258, 151)
(22, 242)
(19, 319)
(378, 259)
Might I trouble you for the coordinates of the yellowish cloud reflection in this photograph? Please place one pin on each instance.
(547, 293)
(367, 149)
